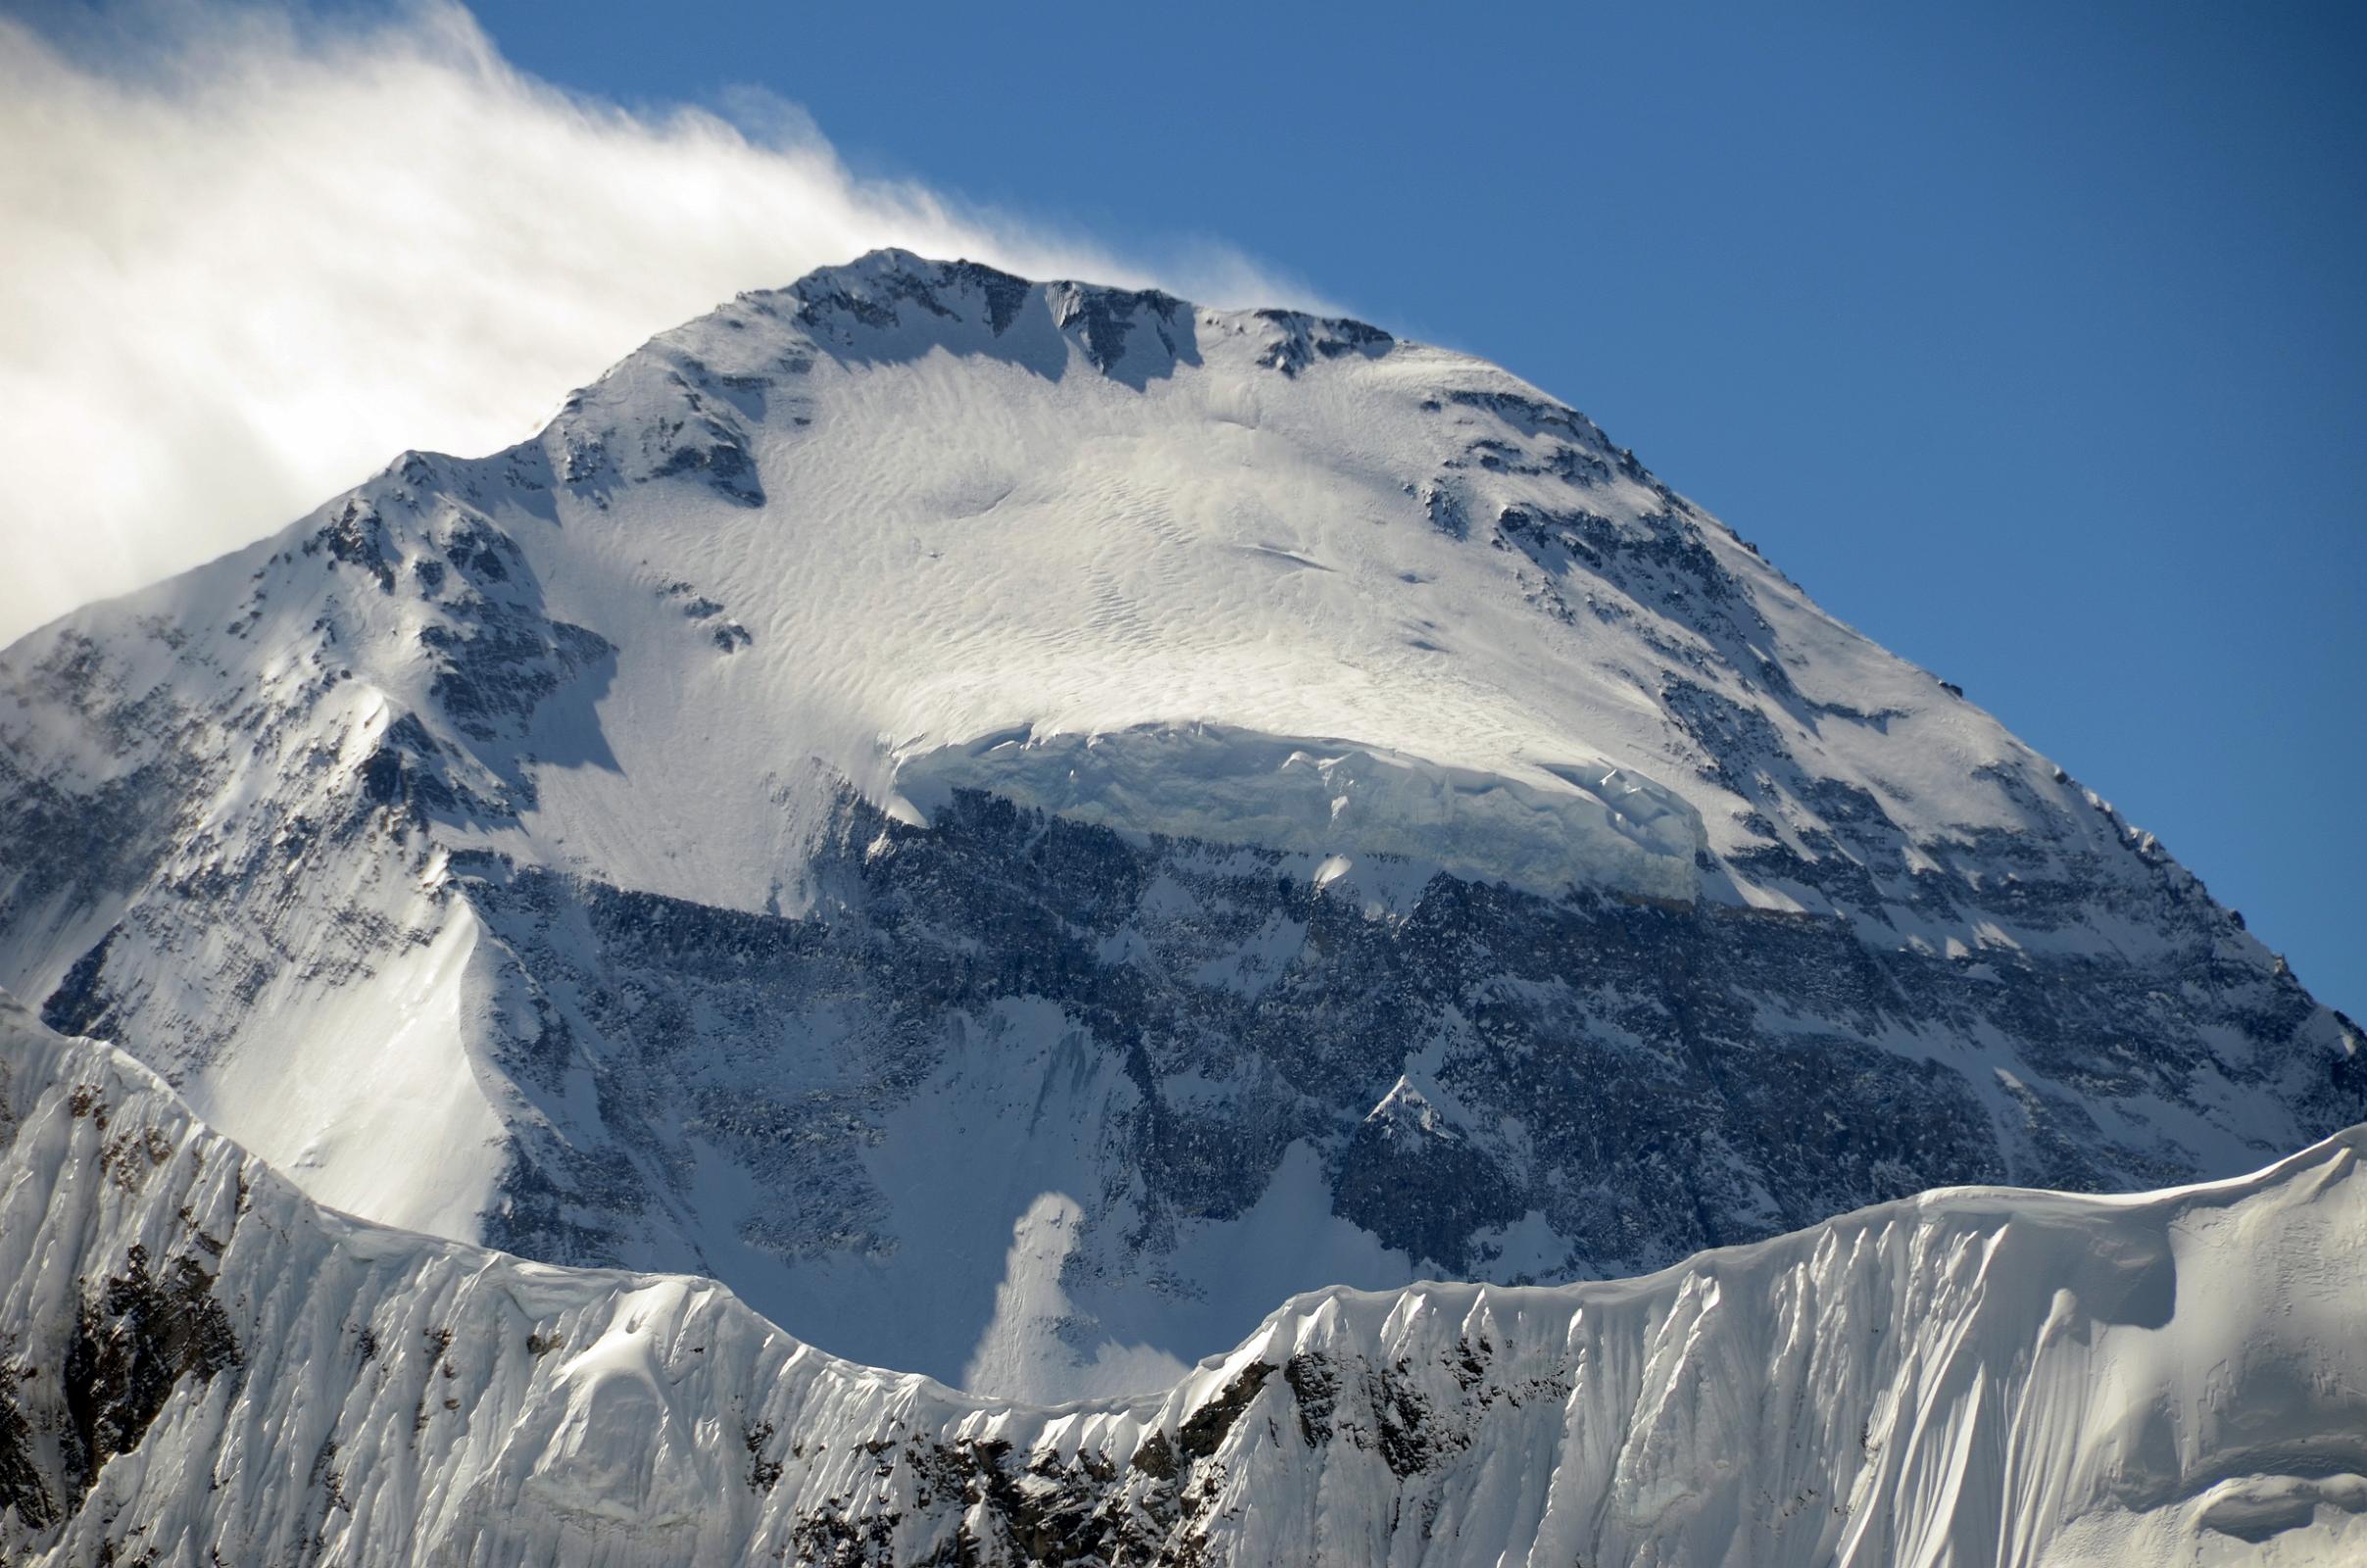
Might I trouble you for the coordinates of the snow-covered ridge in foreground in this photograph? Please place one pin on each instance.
(210, 1367)
(1335, 799)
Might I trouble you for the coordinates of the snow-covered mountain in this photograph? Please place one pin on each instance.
(207, 1367)
(1019, 824)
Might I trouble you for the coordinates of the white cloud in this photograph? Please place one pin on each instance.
(250, 256)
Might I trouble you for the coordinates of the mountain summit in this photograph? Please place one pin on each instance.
(1018, 824)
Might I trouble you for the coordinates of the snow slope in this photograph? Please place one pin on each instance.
(209, 1367)
(952, 803)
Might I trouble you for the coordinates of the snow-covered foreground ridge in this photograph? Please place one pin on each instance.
(207, 1367)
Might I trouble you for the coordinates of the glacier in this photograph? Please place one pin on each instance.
(1335, 801)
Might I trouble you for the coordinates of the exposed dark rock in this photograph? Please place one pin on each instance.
(1661, 1112)
(1156, 1457)
(1005, 294)
(763, 1473)
(1316, 1389)
(22, 1487)
(141, 1334)
(1204, 1428)
(79, 1006)
(356, 536)
(1299, 340)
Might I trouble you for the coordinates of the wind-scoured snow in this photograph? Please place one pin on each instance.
(207, 1367)
(908, 505)
(945, 803)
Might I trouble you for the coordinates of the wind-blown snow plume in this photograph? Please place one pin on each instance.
(250, 255)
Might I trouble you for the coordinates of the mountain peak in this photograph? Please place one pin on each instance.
(893, 291)
(948, 802)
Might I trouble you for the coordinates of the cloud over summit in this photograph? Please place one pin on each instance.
(251, 254)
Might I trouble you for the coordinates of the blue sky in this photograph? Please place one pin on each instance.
(2030, 339)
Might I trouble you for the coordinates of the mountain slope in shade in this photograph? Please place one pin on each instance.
(209, 1367)
(1018, 824)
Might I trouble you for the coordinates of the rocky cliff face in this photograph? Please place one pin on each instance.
(1018, 824)
(204, 1366)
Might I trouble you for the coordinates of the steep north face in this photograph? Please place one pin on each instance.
(1018, 824)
